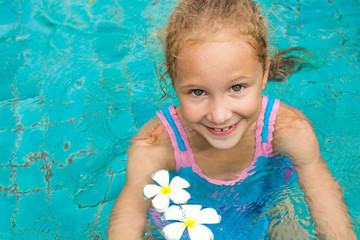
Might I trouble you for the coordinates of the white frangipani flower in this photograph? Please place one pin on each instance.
(166, 191)
(192, 218)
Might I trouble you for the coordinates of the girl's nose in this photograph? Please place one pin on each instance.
(219, 112)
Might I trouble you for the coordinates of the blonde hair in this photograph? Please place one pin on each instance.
(194, 20)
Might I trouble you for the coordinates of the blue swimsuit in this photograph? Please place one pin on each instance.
(240, 202)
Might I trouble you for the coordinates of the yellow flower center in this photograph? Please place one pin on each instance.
(189, 223)
(166, 190)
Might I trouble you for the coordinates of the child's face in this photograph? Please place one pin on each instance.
(219, 85)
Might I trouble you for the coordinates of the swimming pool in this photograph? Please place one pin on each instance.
(78, 80)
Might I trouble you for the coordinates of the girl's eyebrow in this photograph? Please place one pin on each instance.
(239, 79)
(190, 86)
(242, 79)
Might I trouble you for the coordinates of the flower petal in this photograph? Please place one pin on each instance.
(208, 216)
(200, 232)
(190, 210)
(178, 182)
(179, 196)
(151, 190)
(161, 202)
(173, 231)
(174, 212)
(161, 177)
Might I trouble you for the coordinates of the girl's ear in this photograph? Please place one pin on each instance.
(266, 72)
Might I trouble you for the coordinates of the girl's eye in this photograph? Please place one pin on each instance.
(198, 92)
(236, 88)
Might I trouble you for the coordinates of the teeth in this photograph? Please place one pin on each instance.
(221, 129)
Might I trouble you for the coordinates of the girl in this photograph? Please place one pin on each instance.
(217, 59)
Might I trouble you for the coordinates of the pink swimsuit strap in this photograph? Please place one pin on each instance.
(184, 155)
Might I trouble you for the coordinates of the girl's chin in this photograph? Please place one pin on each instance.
(223, 141)
(222, 145)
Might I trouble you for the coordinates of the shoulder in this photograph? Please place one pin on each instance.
(152, 133)
(151, 149)
(294, 135)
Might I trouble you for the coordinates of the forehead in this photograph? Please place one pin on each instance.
(226, 39)
(213, 35)
(225, 48)
(216, 63)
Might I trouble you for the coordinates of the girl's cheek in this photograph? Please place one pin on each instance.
(192, 112)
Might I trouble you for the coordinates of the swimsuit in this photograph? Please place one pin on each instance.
(240, 202)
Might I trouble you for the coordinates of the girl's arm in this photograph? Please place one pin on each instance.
(148, 153)
(295, 138)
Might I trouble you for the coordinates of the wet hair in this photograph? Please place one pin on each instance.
(193, 21)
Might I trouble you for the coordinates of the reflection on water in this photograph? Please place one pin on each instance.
(77, 80)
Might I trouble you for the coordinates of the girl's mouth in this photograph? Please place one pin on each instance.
(222, 131)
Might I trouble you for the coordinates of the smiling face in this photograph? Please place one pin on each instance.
(219, 85)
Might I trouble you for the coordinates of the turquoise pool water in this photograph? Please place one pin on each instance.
(77, 80)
